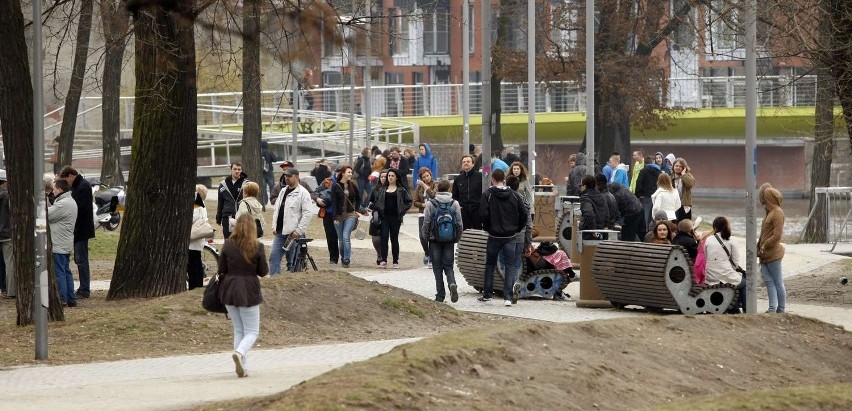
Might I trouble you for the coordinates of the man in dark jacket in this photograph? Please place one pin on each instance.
(630, 209)
(230, 194)
(593, 208)
(397, 161)
(575, 178)
(321, 171)
(268, 172)
(685, 237)
(646, 185)
(84, 227)
(467, 190)
(611, 204)
(504, 215)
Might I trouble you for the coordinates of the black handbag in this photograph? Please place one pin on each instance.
(376, 218)
(211, 301)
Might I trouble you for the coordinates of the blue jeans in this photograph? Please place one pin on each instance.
(81, 258)
(64, 279)
(774, 280)
(344, 233)
(246, 322)
(364, 188)
(509, 250)
(278, 250)
(442, 264)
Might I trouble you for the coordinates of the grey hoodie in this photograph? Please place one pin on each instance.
(426, 230)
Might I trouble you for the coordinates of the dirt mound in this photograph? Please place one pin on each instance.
(614, 364)
(299, 309)
(821, 286)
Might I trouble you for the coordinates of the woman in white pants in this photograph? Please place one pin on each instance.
(241, 262)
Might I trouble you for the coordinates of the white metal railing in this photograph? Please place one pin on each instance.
(217, 112)
(837, 203)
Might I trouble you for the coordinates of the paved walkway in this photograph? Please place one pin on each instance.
(183, 381)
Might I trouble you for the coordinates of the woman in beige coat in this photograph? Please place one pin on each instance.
(769, 248)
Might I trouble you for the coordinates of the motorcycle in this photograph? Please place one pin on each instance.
(109, 203)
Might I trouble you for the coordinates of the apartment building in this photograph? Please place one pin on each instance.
(419, 42)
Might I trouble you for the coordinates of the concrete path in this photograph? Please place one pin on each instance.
(184, 381)
(174, 382)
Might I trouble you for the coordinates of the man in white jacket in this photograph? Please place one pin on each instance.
(293, 211)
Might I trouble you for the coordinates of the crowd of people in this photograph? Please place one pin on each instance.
(654, 204)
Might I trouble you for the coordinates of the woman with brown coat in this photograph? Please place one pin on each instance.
(242, 260)
(769, 248)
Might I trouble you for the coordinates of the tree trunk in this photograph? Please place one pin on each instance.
(75, 88)
(823, 151)
(152, 249)
(839, 14)
(251, 91)
(115, 23)
(16, 119)
(612, 126)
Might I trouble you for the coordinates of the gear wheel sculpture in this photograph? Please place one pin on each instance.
(470, 257)
(655, 276)
(542, 283)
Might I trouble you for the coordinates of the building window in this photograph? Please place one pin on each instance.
(399, 32)
(393, 78)
(725, 29)
(436, 31)
(329, 48)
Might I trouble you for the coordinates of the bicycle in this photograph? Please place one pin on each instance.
(210, 259)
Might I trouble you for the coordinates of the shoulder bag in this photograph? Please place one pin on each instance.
(737, 268)
(201, 229)
(211, 301)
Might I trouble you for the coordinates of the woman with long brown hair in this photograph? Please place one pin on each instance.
(347, 203)
(393, 201)
(241, 262)
(683, 181)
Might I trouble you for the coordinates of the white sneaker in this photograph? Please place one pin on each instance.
(238, 364)
(507, 303)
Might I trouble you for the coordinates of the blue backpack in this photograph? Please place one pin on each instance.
(444, 222)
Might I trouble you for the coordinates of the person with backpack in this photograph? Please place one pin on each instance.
(363, 168)
(442, 226)
(268, 181)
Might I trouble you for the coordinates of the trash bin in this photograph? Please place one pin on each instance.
(590, 296)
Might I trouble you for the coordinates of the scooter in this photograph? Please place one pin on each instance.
(109, 203)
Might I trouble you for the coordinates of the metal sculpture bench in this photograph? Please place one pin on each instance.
(655, 276)
(470, 258)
